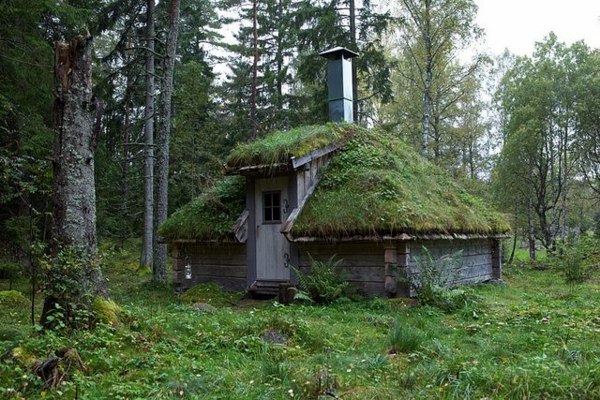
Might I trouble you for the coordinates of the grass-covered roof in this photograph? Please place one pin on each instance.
(279, 147)
(380, 185)
(374, 185)
(211, 215)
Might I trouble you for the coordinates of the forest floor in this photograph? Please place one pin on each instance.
(533, 338)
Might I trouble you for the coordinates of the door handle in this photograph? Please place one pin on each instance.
(286, 260)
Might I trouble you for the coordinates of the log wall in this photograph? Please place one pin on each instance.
(372, 268)
(223, 263)
(362, 263)
(377, 268)
(474, 264)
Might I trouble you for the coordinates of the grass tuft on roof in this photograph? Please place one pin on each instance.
(279, 147)
(211, 215)
(379, 185)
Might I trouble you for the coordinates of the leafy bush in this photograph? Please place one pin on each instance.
(323, 283)
(405, 338)
(577, 261)
(432, 278)
(9, 270)
(70, 282)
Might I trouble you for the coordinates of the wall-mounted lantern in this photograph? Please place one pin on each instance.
(187, 268)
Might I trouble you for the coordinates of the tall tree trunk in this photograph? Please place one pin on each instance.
(148, 238)
(531, 231)
(126, 139)
(162, 162)
(74, 198)
(253, 100)
(354, 48)
(74, 144)
(427, 101)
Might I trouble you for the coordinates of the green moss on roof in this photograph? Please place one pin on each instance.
(379, 185)
(211, 215)
(279, 147)
(374, 185)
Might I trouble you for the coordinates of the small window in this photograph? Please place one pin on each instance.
(272, 207)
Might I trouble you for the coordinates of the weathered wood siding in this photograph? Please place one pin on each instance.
(223, 263)
(474, 264)
(364, 263)
(307, 176)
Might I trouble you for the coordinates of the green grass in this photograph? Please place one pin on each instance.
(399, 192)
(211, 215)
(533, 338)
(278, 147)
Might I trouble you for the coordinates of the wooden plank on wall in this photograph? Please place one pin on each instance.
(366, 274)
(220, 270)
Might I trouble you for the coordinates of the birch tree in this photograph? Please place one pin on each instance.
(432, 32)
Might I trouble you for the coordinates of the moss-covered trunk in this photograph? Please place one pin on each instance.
(74, 201)
(74, 191)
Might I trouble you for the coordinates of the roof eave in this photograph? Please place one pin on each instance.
(403, 237)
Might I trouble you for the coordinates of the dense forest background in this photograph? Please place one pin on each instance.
(522, 132)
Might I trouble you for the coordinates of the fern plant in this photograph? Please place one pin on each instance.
(323, 283)
(433, 278)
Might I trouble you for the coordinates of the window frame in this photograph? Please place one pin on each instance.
(271, 207)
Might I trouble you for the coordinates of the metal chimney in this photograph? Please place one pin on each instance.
(339, 83)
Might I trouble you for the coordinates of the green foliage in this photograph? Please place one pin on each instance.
(13, 298)
(9, 270)
(432, 279)
(106, 310)
(210, 216)
(405, 339)
(545, 153)
(70, 280)
(577, 261)
(543, 338)
(323, 283)
(379, 185)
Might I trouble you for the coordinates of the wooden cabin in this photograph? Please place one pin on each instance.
(334, 189)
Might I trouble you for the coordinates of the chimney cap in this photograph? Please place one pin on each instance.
(338, 52)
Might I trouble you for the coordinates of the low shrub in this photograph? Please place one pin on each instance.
(432, 279)
(10, 270)
(324, 284)
(13, 298)
(577, 261)
(70, 286)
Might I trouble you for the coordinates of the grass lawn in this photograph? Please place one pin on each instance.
(533, 338)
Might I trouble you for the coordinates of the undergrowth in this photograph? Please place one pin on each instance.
(323, 283)
(533, 338)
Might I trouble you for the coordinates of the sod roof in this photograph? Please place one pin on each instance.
(211, 216)
(280, 147)
(378, 185)
(374, 185)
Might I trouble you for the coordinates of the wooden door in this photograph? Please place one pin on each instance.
(272, 248)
